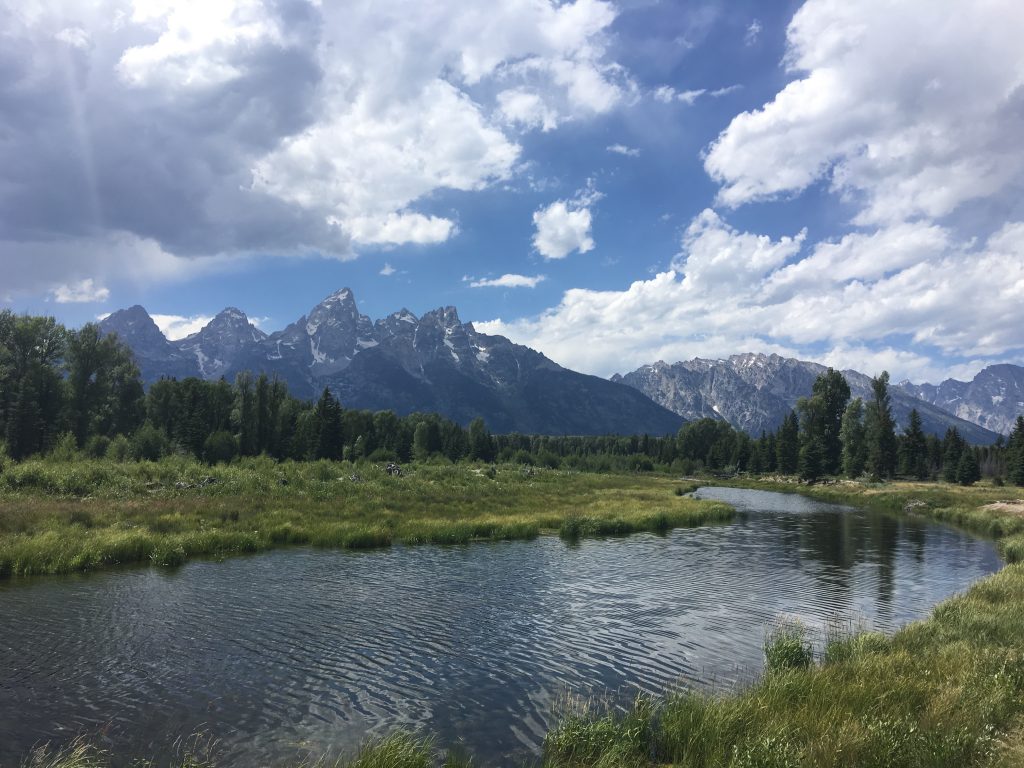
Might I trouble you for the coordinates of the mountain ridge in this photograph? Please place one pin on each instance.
(399, 362)
(754, 392)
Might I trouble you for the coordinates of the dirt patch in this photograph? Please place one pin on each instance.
(1015, 507)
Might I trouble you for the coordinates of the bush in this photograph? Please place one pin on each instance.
(66, 448)
(120, 449)
(96, 447)
(220, 448)
(149, 443)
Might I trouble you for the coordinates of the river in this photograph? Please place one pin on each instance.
(302, 651)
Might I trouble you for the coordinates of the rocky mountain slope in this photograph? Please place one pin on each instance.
(754, 392)
(993, 399)
(403, 363)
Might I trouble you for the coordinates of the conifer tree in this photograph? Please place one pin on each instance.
(879, 431)
(788, 445)
(329, 429)
(954, 446)
(968, 472)
(852, 438)
(1015, 453)
(913, 449)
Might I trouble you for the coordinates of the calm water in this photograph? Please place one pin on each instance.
(303, 651)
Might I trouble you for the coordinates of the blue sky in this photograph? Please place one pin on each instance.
(609, 182)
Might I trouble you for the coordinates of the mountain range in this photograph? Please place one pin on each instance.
(437, 363)
(434, 363)
(754, 392)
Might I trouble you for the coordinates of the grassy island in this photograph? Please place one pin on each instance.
(63, 517)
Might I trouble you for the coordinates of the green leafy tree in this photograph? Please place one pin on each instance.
(149, 443)
(34, 392)
(426, 440)
(104, 389)
(221, 447)
(822, 417)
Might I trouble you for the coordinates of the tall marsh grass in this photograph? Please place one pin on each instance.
(89, 514)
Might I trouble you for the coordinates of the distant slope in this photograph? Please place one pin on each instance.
(754, 392)
(993, 399)
(402, 363)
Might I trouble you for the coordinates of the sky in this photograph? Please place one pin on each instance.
(612, 182)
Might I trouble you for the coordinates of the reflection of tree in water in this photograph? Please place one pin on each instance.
(885, 533)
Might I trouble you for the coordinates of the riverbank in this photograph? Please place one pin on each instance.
(88, 515)
(947, 691)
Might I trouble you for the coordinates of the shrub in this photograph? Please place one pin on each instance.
(96, 447)
(149, 443)
(120, 449)
(66, 448)
(220, 448)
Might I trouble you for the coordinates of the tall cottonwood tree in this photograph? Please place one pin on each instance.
(821, 418)
(104, 391)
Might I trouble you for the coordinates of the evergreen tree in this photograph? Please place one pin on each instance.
(329, 429)
(1015, 453)
(913, 449)
(954, 447)
(879, 431)
(967, 471)
(788, 445)
(481, 446)
(855, 453)
(812, 459)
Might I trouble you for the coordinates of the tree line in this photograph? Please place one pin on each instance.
(67, 392)
(830, 434)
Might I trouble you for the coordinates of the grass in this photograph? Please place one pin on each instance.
(399, 750)
(944, 692)
(60, 518)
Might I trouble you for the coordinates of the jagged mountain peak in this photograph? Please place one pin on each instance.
(444, 317)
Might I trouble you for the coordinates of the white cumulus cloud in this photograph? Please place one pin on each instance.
(564, 226)
(226, 129)
(905, 110)
(176, 327)
(83, 292)
(508, 281)
(730, 291)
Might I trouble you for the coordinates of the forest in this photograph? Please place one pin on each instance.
(66, 393)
